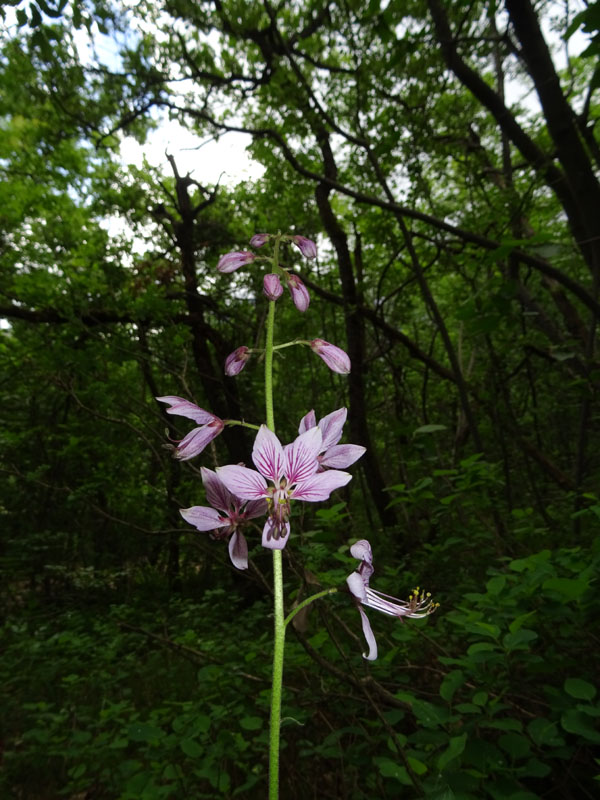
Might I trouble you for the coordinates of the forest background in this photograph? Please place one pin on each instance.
(445, 157)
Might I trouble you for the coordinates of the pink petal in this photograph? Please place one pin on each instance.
(244, 483)
(301, 458)
(307, 422)
(319, 486)
(362, 551)
(369, 636)
(183, 408)
(269, 541)
(196, 440)
(255, 508)
(216, 492)
(267, 454)
(335, 358)
(203, 518)
(356, 584)
(238, 550)
(299, 292)
(331, 427)
(341, 456)
(236, 361)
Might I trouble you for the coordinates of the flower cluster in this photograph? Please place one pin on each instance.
(418, 605)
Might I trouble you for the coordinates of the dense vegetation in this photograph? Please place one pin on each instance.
(445, 157)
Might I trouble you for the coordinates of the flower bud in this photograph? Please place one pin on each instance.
(236, 361)
(232, 261)
(299, 292)
(259, 239)
(335, 358)
(272, 287)
(306, 246)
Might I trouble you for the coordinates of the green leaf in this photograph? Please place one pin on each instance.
(251, 723)
(452, 681)
(191, 748)
(569, 588)
(496, 584)
(515, 745)
(429, 429)
(454, 750)
(144, 732)
(519, 639)
(578, 723)
(390, 769)
(544, 733)
(580, 689)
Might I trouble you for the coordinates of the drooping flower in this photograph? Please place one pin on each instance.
(418, 605)
(306, 246)
(196, 440)
(226, 518)
(293, 474)
(335, 358)
(298, 290)
(259, 239)
(272, 287)
(236, 361)
(332, 455)
(234, 260)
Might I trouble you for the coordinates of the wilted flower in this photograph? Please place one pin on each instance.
(298, 290)
(259, 239)
(226, 525)
(236, 361)
(293, 473)
(335, 358)
(306, 246)
(272, 287)
(196, 440)
(332, 454)
(418, 605)
(232, 261)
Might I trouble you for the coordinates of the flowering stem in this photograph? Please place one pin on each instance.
(279, 632)
(305, 603)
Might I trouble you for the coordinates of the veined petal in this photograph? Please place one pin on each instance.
(369, 636)
(196, 440)
(267, 454)
(331, 427)
(362, 551)
(238, 550)
(320, 485)
(204, 518)
(341, 456)
(269, 539)
(307, 422)
(184, 408)
(217, 493)
(247, 484)
(255, 508)
(301, 458)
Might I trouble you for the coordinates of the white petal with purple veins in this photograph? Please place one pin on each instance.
(204, 518)
(267, 454)
(244, 483)
(320, 485)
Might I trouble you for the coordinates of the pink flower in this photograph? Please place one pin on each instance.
(259, 239)
(306, 246)
(226, 525)
(196, 440)
(335, 358)
(293, 474)
(236, 361)
(298, 290)
(272, 287)
(232, 261)
(417, 606)
(332, 454)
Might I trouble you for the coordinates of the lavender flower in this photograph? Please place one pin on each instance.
(298, 290)
(335, 358)
(293, 473)
(272, 287)
(418, 605)
(196, 440)
(306, 246)
(236, 361)
(232, 261)
(332, 454)
(226, 525)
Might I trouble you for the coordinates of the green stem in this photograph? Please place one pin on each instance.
(279, 631)
(305, 603)
(242, 423)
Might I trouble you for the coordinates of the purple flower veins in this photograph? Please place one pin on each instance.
(292, 471)
(418, 605)
(332, 455)
(226, 522)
